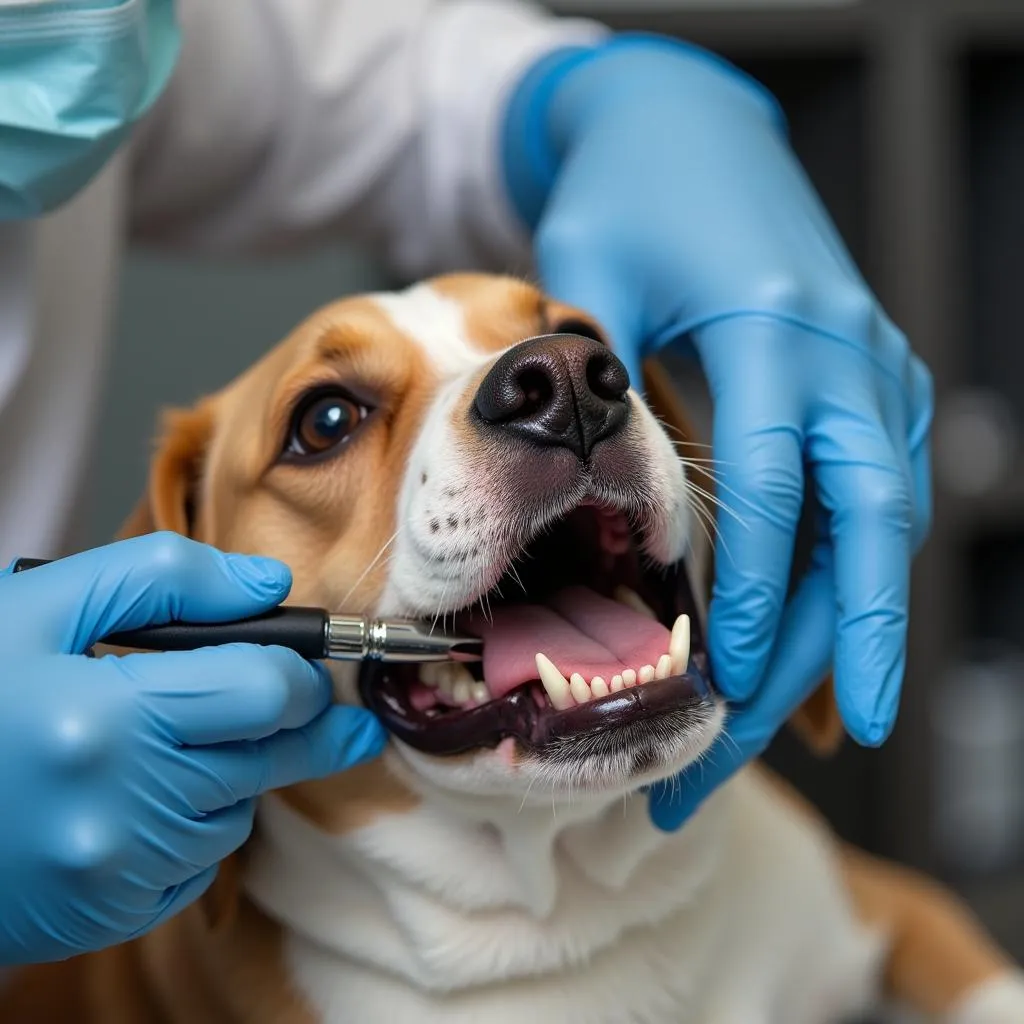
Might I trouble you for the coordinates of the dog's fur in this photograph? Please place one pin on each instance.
(497, 886)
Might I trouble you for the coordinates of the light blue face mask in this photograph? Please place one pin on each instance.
(74, 76)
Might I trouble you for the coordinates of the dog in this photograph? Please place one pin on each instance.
(470, 452)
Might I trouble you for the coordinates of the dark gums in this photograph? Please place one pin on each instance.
(517, 716)
(384, 690)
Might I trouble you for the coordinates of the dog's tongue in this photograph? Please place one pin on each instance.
(578, 629)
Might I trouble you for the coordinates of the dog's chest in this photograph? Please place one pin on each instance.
(423, 917)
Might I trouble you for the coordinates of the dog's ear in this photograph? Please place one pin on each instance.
(169, 502)
(817, 721)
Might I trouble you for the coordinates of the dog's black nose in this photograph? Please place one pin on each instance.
(559, 390)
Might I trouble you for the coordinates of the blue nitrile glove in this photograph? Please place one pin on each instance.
(667, 202)
(124, 781)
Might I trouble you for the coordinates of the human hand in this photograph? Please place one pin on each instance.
(126, 780)
(667, 202)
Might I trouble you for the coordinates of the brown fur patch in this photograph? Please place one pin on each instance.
(498, 311)
(939, 953)
(818, 723)
(174, 472)
(352, 800)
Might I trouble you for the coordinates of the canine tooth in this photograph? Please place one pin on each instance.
(579, 688)
(461, 691)
(646, 674)
(598, 687)
(555, 684)
(629, 677)
(428, 673)
(664, 667)
(617, 684)
(481, 695)
(679, 645)
(631, 599)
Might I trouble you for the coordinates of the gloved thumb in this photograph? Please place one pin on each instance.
(577, 276)
(68, 605)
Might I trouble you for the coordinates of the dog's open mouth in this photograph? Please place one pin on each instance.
(580, 635)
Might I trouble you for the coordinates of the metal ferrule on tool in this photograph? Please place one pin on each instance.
(354, 638)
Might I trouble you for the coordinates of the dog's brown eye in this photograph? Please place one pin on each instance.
(323, 421)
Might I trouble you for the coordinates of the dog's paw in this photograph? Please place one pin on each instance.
(1000, 1001)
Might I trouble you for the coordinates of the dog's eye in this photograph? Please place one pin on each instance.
(323, 421)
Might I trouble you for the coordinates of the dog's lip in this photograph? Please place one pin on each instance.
(517, 715)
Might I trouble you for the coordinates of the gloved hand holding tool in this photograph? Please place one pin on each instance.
(125, 780)
(667, 202)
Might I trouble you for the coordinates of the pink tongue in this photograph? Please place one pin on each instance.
(578, 629)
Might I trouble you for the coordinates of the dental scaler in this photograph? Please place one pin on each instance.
(313, 633)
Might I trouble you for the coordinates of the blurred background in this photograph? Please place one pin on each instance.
(909, 116)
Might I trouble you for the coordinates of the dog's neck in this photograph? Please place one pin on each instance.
(428, 894)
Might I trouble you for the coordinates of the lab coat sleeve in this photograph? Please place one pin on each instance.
(374, 120)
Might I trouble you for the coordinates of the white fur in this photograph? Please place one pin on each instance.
(436, 323)
(740, 917)
(1000, 1001)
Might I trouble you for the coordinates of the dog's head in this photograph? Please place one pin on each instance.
(470, 452)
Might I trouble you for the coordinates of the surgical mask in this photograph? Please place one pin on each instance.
(74, 76)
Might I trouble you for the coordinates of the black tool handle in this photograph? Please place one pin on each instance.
(303, 630)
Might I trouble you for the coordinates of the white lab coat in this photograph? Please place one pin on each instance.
(286, 120)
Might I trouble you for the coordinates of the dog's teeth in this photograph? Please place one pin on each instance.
(445, 679)
(617, 684)
(629, 677)
(664, 667)
(481, 695)
(454, 681)
(555, 684)
(579, 688)
(631, 599)
(646, 674)
(598, 687)
(428, 673)
(679, 645)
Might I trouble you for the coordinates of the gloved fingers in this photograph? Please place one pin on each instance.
(922, 404)
(233, 692)
(758, 443)
(674, 800)
(176, 845)
(340, 738)
(69, 605)
(177, 898)
(573, 271)
(864, 482)
(207, 840)
(801, 660)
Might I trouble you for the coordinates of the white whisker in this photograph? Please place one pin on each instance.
(366, 572)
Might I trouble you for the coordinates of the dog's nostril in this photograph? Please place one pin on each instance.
(607, 377)
(561, 391)
(535, 385)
